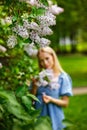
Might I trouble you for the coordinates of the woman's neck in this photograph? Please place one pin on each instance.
(56, 73)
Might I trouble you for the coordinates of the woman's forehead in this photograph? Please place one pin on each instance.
(44, 54)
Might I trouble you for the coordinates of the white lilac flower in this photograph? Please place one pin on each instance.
(34, 36)
(1, 65)
(43, 31)
(50, 15)
(26, 24)
(6, 20)
(32, 25)
(2, 49)
(48, 73)
(20, 74)
(12, 41)
(54, 9)
(45, 77)
(47, 20)
(44, 42)
(31, 2)
(54, 83)
(21, 31)
(42, 82)
(31, 49)
(50, 2)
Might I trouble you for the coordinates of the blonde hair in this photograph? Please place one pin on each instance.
(57, 67)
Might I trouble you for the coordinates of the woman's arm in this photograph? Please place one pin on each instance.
(64, 101)
(34, 90)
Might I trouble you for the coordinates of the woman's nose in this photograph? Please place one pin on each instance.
(45, 62)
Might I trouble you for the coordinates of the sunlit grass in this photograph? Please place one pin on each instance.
(77, 112)
(76, 66)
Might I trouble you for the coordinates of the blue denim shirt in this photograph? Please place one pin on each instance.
(52, 110)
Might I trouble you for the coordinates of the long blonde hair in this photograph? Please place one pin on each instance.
(57, 67)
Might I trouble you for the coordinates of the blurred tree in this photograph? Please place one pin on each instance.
(73, 19)
(83, 16)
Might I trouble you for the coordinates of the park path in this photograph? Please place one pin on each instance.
(80, 90)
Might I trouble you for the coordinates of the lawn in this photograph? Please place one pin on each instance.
(76, 112)
(76, 66)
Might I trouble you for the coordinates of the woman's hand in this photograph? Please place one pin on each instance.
(46, 98)
(64, 101)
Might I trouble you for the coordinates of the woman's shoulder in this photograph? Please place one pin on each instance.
(64, 74)
(66, 84)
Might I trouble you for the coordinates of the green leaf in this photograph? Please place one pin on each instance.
(8, 2)
(14, 107)
(43, 123)
(27, 102)
(33, 97)
(45, 2)
(20, 91)
(40, 11)
(30, 69)
(14, 18)
(35, 113)
(27, 40)
(46, 78)
(18, 111)
(67, 123)
(36, 12)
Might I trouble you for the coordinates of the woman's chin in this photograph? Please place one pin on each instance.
(48, 68)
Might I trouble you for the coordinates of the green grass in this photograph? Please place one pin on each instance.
(76, 66)
(77, 112)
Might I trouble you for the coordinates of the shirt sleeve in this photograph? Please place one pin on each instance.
(66, 85)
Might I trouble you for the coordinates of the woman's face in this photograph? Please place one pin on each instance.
(46, 60)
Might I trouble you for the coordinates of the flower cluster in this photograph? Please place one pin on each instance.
(31, 2)
(46, 77)
(2, 49)
(21, 31)
(31, 49)
(6, 20)
(36, 29)
(12, 41)
(1, 65)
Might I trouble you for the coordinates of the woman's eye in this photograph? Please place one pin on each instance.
(47, 58)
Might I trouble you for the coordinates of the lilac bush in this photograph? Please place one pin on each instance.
(25, 25)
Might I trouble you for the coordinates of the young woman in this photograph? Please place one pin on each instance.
(56, 97)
